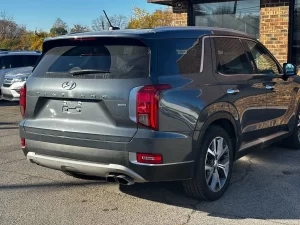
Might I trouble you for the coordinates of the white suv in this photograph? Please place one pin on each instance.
(11, 60)
(13, 82)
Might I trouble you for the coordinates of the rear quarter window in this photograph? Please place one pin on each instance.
(179, 56)
(113, 59)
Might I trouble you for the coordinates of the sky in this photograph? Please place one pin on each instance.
(41, 14)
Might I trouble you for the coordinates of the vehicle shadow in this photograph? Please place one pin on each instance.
(51, 185)
(8, 103)
(264, 185)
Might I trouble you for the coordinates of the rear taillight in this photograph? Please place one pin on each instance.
(149, 158)
(147, 105)
(23, 100)
(23, 144)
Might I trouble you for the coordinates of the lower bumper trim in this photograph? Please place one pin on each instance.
(95, 169)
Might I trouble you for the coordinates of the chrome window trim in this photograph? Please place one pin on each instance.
(241, 38)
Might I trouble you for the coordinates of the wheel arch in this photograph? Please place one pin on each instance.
(225, 120)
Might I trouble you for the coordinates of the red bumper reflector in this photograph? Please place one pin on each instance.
(23, 145)
(149, 158)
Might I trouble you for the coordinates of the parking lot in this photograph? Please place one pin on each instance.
(264, 190)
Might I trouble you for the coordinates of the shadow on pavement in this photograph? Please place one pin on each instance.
(264, 185)
(9, 128)
(49, 185)
(8, 123)
(8, 103)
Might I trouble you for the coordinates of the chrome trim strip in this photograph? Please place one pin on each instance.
(249, 39)
(132, 103)
(132, 159)
(89, 168)
(202, 54)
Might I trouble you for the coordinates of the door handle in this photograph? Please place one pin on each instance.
(269, 87)
(233, 91)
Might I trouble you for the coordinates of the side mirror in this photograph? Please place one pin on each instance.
(289, 69)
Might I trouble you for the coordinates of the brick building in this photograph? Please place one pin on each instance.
(276, 23)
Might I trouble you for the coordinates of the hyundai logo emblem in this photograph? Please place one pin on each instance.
(69, 85)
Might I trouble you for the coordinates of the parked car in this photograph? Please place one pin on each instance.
(11, 60)
(13, 82)
(162, 104)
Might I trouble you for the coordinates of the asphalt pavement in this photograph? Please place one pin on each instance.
(264, 190)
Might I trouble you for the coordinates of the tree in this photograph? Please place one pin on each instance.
(143, 19)
(37, 39)
(59, 28)
(101, 22)
(79, 28)
(9, 29)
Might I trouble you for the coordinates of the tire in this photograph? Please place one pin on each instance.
(205, 185)
(293, 141)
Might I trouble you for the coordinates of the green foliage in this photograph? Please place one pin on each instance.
(79, 28)
(143, 19)
(59, 28)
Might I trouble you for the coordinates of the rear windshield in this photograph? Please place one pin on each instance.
(104, 58)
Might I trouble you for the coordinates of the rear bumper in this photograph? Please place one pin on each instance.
(82, 156)
(95, 169)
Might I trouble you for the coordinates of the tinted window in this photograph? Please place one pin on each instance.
(231, 56)
(23, 60)
(179, 56)
(264, 62)
(14, 61)
(111, 58)
(5, 62)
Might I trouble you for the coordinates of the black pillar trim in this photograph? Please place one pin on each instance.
(291, 30)
(190, 13)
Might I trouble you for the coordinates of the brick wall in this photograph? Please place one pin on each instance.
(274, 22)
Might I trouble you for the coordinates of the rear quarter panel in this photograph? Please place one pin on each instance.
(193, 99)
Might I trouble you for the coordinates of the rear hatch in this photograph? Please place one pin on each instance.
(81, 88)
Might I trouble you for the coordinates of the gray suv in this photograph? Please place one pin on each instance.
(165, 104)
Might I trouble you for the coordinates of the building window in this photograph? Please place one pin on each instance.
(238, 15)
(296, 34)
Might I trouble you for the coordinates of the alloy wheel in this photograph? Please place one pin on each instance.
(217, 163)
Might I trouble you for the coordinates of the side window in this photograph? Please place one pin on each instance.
(263, 60)
(29, 60)
(17, 61)
(231, 56)
(179, 56)
(5, 62)
(32, 60)
(23, 60)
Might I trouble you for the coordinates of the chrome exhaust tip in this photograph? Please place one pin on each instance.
(111, 179)
(124, 180)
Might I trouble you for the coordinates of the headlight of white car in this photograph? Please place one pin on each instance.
(19, 79)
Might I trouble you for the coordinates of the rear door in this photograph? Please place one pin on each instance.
(81, 88)
(245, 89)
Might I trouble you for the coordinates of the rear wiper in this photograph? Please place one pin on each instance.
(87, 71)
